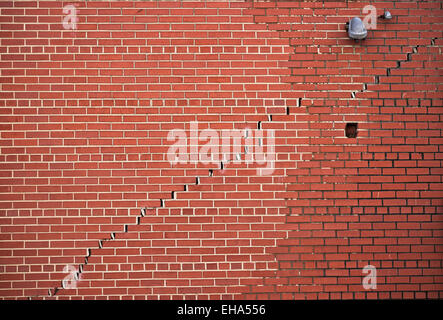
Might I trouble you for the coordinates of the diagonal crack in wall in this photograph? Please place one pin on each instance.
(53, 292)
(409, 56)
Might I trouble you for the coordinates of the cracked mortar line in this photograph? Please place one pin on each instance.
(388, 70)
(53, 292)
(143, 210)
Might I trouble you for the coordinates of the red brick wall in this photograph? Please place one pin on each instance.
(86, 183)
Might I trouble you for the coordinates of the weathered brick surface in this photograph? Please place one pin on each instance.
(85, 179)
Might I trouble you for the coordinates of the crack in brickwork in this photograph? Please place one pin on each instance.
(53, 292)
(89, 251)
(409, 56)
(273, 21)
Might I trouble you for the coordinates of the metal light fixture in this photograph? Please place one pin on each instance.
(386, 15)
(356, 29)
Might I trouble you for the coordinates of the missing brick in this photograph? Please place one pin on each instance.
(351, 130)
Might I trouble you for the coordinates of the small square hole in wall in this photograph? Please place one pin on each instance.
(351, 130)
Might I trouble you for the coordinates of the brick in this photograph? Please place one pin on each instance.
(84, 125)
